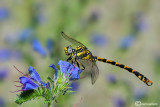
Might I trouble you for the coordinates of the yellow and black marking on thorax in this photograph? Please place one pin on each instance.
(81, 52)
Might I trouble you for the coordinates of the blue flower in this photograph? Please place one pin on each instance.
(139, 93)
(2, 103)
(4, 13)
(25, 34)
(5, 54)
(35, 76)
(99, 40)
(119, 102)
(32, 81)
(3, 73)
(38, 47)
(69, 70)
(74, 85)
(111, 78)
(127, 42)
(28, 84)
(56, 71)
(140, 23)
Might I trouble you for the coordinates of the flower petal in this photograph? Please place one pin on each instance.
(64, 66)
(28, 84)
(34, 75)
(24, 80)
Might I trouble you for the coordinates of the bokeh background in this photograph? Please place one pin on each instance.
(124, 31)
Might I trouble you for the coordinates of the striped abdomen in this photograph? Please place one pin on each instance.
(139, 75)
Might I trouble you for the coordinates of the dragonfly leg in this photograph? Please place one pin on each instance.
(69, 58)
(83, 66)
(80, 64)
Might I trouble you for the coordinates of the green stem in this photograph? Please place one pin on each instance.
(49, 104)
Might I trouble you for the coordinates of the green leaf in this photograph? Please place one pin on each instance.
(50, 79)
(26, 96)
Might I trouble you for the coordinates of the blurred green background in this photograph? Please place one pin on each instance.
(123, 31)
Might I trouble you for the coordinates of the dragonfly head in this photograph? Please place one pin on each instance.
(68, 50)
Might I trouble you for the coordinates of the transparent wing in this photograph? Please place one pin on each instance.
(94, 72)
(71, 39)
(90, 69)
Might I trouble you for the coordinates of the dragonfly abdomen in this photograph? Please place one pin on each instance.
(139, 75)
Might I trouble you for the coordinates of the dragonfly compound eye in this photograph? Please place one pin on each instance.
(69, 50)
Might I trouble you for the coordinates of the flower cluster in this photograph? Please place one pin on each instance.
(33, 86)
(32, 81)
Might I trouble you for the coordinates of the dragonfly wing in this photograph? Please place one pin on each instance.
(90, 69)
(71, 39)
(94, 72)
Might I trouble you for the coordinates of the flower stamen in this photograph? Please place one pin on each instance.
(20, 71)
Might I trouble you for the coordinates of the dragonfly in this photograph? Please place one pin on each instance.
(81, 53)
